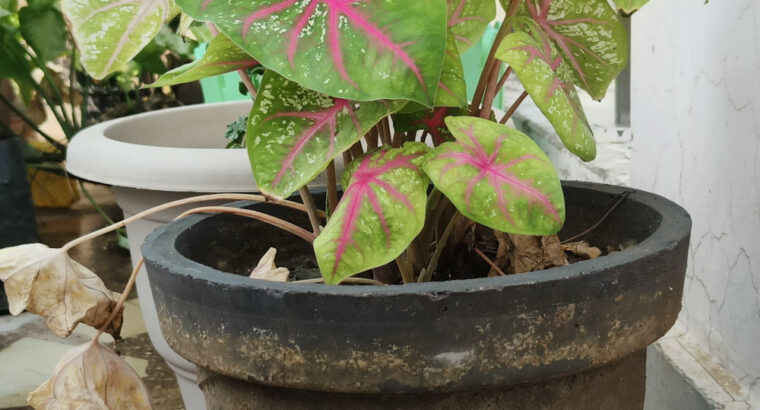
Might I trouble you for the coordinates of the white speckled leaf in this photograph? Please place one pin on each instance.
(380, 213)
(356, 50)
(468, 20)
(588, 35)
(221, 56)
(498, 177)
(46, 282)
(546, 78)
(109, 33)
(91, 377)
(293, 133)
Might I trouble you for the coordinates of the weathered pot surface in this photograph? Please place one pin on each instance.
(420, 338)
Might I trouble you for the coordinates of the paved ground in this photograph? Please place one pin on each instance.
(29, 351)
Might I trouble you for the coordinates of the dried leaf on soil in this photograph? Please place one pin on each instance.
(582, 249)
(266, 269)
(91, 376)
(529, 253)
(47, 282)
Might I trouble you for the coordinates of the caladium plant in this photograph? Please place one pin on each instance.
(378, 85)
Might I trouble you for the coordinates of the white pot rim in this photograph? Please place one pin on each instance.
(97, 154)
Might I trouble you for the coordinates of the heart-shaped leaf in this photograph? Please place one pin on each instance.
(356, 50)
(293, 133)
(468, 20)
(109, 33)
(589, 36)
(91, 376)
(628, 7)
(44, 30)
(46, 282)
(498, 177)
(381, 212)
(545, 77)
(221, 56)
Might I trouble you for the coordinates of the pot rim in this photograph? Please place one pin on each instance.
(159, 246)
(95, 156)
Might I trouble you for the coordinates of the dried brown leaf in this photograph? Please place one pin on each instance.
(91, 376)
(530, 253)
(582, 249)
(47, 282)
(266, 269)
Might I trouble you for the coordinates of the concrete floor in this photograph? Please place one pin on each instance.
(29, 350)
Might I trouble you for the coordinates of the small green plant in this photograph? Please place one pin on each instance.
(379, 85)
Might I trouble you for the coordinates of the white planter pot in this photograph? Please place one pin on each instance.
(157, 157)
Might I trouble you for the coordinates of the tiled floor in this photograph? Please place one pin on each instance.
(29, 351)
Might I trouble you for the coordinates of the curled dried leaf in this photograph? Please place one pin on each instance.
(47, 282)
(91, 376)
(266, 269)
(582, 249)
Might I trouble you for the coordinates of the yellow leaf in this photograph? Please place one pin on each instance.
(266, 269)
(93, 377)
(47, 282)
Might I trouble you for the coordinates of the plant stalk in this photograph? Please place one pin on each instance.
(259, 216)
(513, 108)
(181, 202)
(332, 188)
(311, 208)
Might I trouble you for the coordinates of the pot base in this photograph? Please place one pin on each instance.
(619, 385)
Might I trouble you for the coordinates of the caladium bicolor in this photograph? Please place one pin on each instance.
(109, 33)
(293, 133)
(221, 56)
(546, 78)
(381, 212)
(498, 177)
(356, 50)
(629, 7)
(588, 34)
(468, 20)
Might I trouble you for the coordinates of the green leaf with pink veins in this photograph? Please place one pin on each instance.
(221, 56)
(380, 213)
(628, 7)
(588, 35)
(109, 33)
(498, 177)
(293, 133)
(468, 20)
(545, 76)
(355, 50)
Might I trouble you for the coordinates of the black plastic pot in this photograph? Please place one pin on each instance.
(570, 337)
(17, 222)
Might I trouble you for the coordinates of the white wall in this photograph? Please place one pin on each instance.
(696, 140)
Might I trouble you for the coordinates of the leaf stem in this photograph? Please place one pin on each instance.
(120, 303)
(311, 208)
(31, 124)
(332, 188)
(259, 216)
(490, 91)
(241, 72)
(427, 274)
(490, 61)
(181, 202)
(489, 261)
(513, 108)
